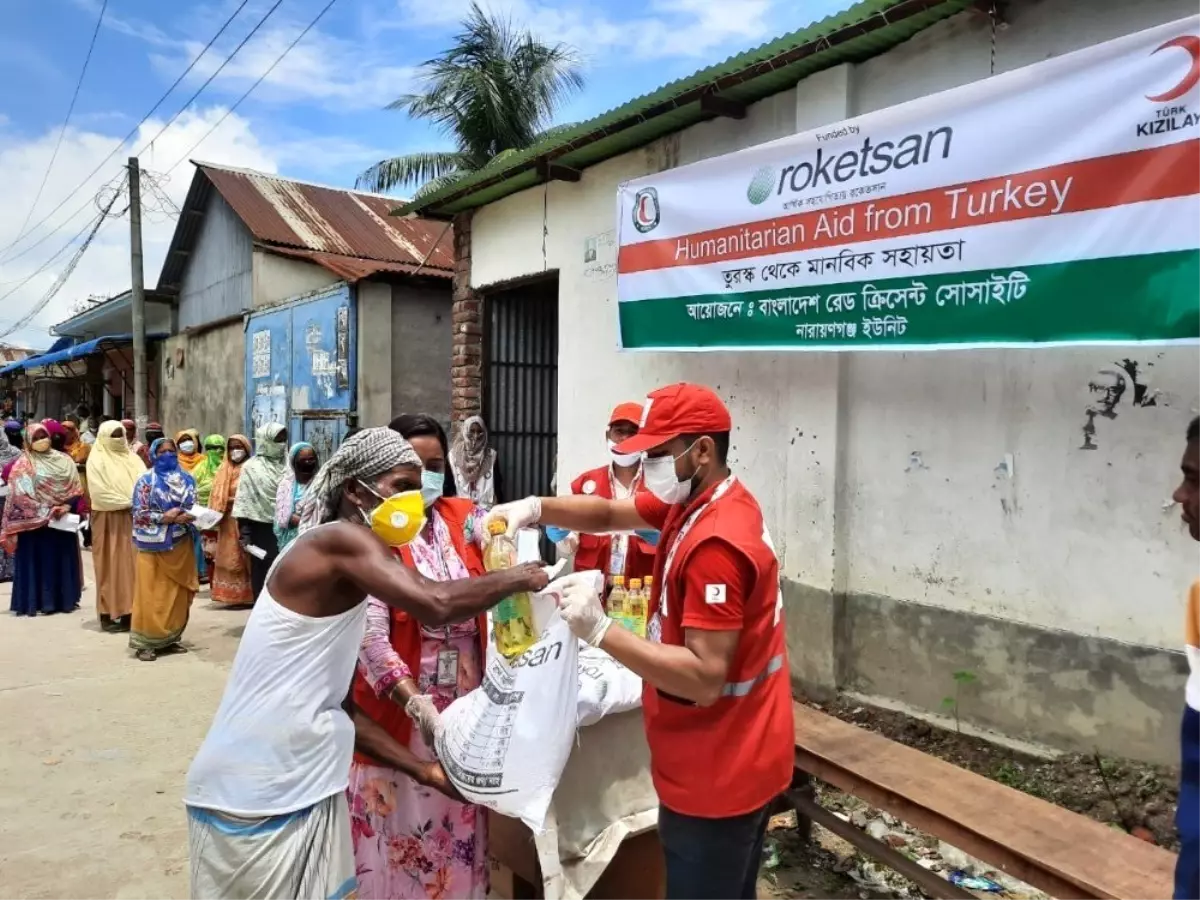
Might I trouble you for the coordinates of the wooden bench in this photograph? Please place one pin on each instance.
(1051, 848)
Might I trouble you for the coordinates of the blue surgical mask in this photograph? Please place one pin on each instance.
(432, 486)
(166, 462)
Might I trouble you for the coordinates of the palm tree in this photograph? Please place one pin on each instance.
(492, 93)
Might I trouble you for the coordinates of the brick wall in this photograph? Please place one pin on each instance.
(466, 352)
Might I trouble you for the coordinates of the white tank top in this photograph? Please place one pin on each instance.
(281, 741)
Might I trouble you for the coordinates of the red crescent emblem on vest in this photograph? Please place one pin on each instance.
(589, 487)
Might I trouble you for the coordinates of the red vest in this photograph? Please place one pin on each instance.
(405, 634)
(595, 549)
(735, 756)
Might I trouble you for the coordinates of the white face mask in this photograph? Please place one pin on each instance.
(661, 480)
(623, 459)
(237, 455)
(186, 446)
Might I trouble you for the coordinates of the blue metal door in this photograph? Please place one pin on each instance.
(312, 386)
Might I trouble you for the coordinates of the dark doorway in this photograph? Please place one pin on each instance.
(520, 386)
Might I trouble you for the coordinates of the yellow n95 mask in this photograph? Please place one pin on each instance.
(398, 518)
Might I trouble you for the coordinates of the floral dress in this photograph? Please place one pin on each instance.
(411, 841)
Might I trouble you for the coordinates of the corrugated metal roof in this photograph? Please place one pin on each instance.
(346, 231)
(353, 269)
(868, 28)
(348, 223)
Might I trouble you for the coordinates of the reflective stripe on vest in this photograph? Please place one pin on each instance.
(742, 688)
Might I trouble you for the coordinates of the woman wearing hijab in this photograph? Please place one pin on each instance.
(399, 659)
(254, 507)
(75, 448)
(113, 472)
(8, 457)
(189, 454)
(231, 571)
(189, 450)
(43, 487)
(15, 432)
(302, 466)
(204, 473)
(473, 464)
(166, 565)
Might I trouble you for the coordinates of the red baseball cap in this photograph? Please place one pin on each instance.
(677, 409)
(626, 412)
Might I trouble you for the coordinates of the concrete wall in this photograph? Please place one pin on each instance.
(375, 380)
(278, 278)
(206, 391)
(217, 280)
(909, 552)
(420, 340)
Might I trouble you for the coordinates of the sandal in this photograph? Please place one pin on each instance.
(175, 648)
(147, 655)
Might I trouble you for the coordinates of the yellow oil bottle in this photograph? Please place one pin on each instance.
(616, 598)
(512, 617)
(639, 610)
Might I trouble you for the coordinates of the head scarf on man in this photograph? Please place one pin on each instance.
(469, 453)
(229, 476)
(39, 481)
(112, 470)
(206, 470)
(255, 498)
(189, 461)
(367, 455)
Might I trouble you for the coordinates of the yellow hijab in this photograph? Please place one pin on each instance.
(112, 469)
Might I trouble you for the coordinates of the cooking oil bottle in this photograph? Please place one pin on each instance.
(512, 617)
(616, 598)
(639, 609)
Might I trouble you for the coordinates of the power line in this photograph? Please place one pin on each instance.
(62, 278)
(23, 233)
(70, 109)
(210, 78)
(261, 78)
(63, 224)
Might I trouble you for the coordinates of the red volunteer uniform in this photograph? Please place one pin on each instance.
(735, 756)
(715, 570)
(595, 550)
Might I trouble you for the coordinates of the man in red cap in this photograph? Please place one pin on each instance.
(717, 697)
(619, 554)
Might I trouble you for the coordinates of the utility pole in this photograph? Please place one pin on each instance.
(140, 391)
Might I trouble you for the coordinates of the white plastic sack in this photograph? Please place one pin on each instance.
(505, 744)
(605, 686)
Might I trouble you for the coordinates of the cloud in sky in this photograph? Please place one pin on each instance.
(104, 268)
(666, 28)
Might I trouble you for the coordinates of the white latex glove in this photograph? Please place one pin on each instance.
(425, 716)
(582, 609)
(518, 514)
(568, 545)
(552, 571)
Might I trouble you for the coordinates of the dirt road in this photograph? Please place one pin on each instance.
(94, 747)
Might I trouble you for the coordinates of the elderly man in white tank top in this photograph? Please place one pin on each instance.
(266, 793)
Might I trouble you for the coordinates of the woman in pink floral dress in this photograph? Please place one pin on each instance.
(411, 841)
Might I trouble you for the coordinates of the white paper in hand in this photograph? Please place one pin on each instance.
(205, 519)
(256, 551)
(69, 522)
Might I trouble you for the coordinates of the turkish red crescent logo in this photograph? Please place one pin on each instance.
(1190, 43)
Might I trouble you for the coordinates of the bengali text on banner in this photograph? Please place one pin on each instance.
(1055, 204)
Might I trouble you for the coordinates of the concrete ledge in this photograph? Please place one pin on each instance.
(1069, 691)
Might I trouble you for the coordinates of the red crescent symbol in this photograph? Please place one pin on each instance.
(1190, 43)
